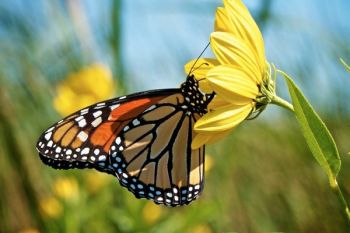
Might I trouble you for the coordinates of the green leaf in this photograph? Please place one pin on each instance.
(345, 65)
(318, 137)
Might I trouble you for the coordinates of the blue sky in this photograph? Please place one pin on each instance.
(304, 38)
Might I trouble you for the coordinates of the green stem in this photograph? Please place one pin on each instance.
(281, 102)
(347, 67)
(337, 190)
(332, 178)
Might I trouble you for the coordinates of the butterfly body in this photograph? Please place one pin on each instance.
(143, 139)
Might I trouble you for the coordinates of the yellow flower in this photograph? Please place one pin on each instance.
(239, 76)
(95, 181)
(209, 163)
(201, 229)
(90, 85)
(66, 188)
(151, 212)
(50, 207)
(29, 230)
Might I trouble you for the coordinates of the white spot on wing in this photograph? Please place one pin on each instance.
(82, 123)
(79, 118)
(85, 151)
(49, 144)
(114, 106)
(99, 107)
(48, 136)
(135, 122)
(151, 108)
(84, 111)
(97, 113)
(50, 129)
(83, 136)
(96, 122)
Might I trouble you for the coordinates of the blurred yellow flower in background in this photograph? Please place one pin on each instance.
(209, 162)
(95, 181)
(66, 188)
(201, 229)
(89, 85)
(29, 230)
(50, 207)
(151, 212)
(239, 75)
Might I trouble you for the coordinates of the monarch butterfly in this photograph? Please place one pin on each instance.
(143, 139)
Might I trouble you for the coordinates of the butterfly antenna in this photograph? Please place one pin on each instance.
(191, 70)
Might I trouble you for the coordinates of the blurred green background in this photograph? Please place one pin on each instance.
(260, 179)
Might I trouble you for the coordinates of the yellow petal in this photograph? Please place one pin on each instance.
(230, 50)
(222, 21)
(203, 138)
(218, 136)
(223, 118)
(199, 140)
(200, 69)
(232, 84)
(217, 102)
(245, 27)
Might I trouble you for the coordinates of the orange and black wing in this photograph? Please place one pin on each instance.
(143, 139)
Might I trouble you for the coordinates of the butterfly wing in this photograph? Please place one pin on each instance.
(83, 139)
(143, 139)
(153, 158)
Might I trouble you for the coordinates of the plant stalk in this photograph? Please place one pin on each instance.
(282, 103)
(337, 190)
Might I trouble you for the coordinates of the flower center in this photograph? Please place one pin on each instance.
(266, 89)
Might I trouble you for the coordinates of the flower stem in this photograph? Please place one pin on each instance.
(281, 102)
(337, 190)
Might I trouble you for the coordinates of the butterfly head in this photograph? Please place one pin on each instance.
(196, 101)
